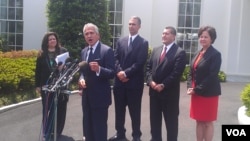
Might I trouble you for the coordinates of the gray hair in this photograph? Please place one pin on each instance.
(91, 25)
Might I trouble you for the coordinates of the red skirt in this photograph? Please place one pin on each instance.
(204, 108)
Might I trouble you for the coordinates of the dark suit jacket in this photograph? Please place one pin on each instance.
(131, 61)
(44, 69)
(206, 75)
(168, 72)
(98, 89)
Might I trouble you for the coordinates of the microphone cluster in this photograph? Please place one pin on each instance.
(65, 75)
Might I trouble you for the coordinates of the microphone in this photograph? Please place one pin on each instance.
(76, 60)
(66, 75)
(68, 60)
(56, 70)
(59, 64)
(81, 65)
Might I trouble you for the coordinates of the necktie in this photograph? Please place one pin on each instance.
(163, 54)
(130, 43)
(91, 55)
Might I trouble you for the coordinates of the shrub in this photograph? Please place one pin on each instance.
(17, 71)
(245, 97)
(185, 73)
(222, 76)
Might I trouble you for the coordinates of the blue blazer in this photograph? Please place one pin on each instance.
(98, 91)
(132, 61)
(205, 76)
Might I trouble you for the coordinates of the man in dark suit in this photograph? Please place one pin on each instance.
(164, 70)
(95, 84)
(131, 55)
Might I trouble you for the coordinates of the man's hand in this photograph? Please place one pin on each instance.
(82, 84)
(94, 66)
(157, 87)
(122, 76)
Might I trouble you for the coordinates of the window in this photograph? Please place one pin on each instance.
(115, 19)
(11, 23)
(188, 25)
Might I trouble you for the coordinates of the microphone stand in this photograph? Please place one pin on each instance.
(56, 89)
(55, 116)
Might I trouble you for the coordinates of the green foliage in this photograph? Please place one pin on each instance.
(16, 73)
(185, 73)
(245, 97)
(17, 76)
(222, 76)
(150, 49)
(3, 44)
(16, 97)
(67, 18)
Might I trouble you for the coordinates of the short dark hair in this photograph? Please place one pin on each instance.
(173, 30)
(211, 31)
(137, 18)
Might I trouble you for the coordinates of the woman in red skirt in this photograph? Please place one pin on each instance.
(203, 84)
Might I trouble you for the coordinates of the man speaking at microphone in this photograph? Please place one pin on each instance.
(95, 84)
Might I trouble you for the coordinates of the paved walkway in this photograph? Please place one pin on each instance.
(23, 123)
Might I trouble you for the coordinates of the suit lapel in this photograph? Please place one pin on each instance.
(85, 53)
(206, 55)
(134, 45)
(170, 52)
(97, 51)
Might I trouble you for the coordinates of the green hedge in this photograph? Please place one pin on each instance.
(17, 71)
(17, 76)
(245, 97)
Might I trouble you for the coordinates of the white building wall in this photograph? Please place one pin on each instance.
(35, 23)
(229, 17)
(141, 8)
(244, 39)
(155, 16)
(217, 14)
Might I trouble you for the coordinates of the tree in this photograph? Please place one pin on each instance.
(67, 17)
(3, 44)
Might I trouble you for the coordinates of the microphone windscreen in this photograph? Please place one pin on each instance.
(68, 60)
(83, 64)
(76, 61)
(59, 63)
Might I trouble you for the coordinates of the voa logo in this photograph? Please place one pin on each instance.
(236, 132)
